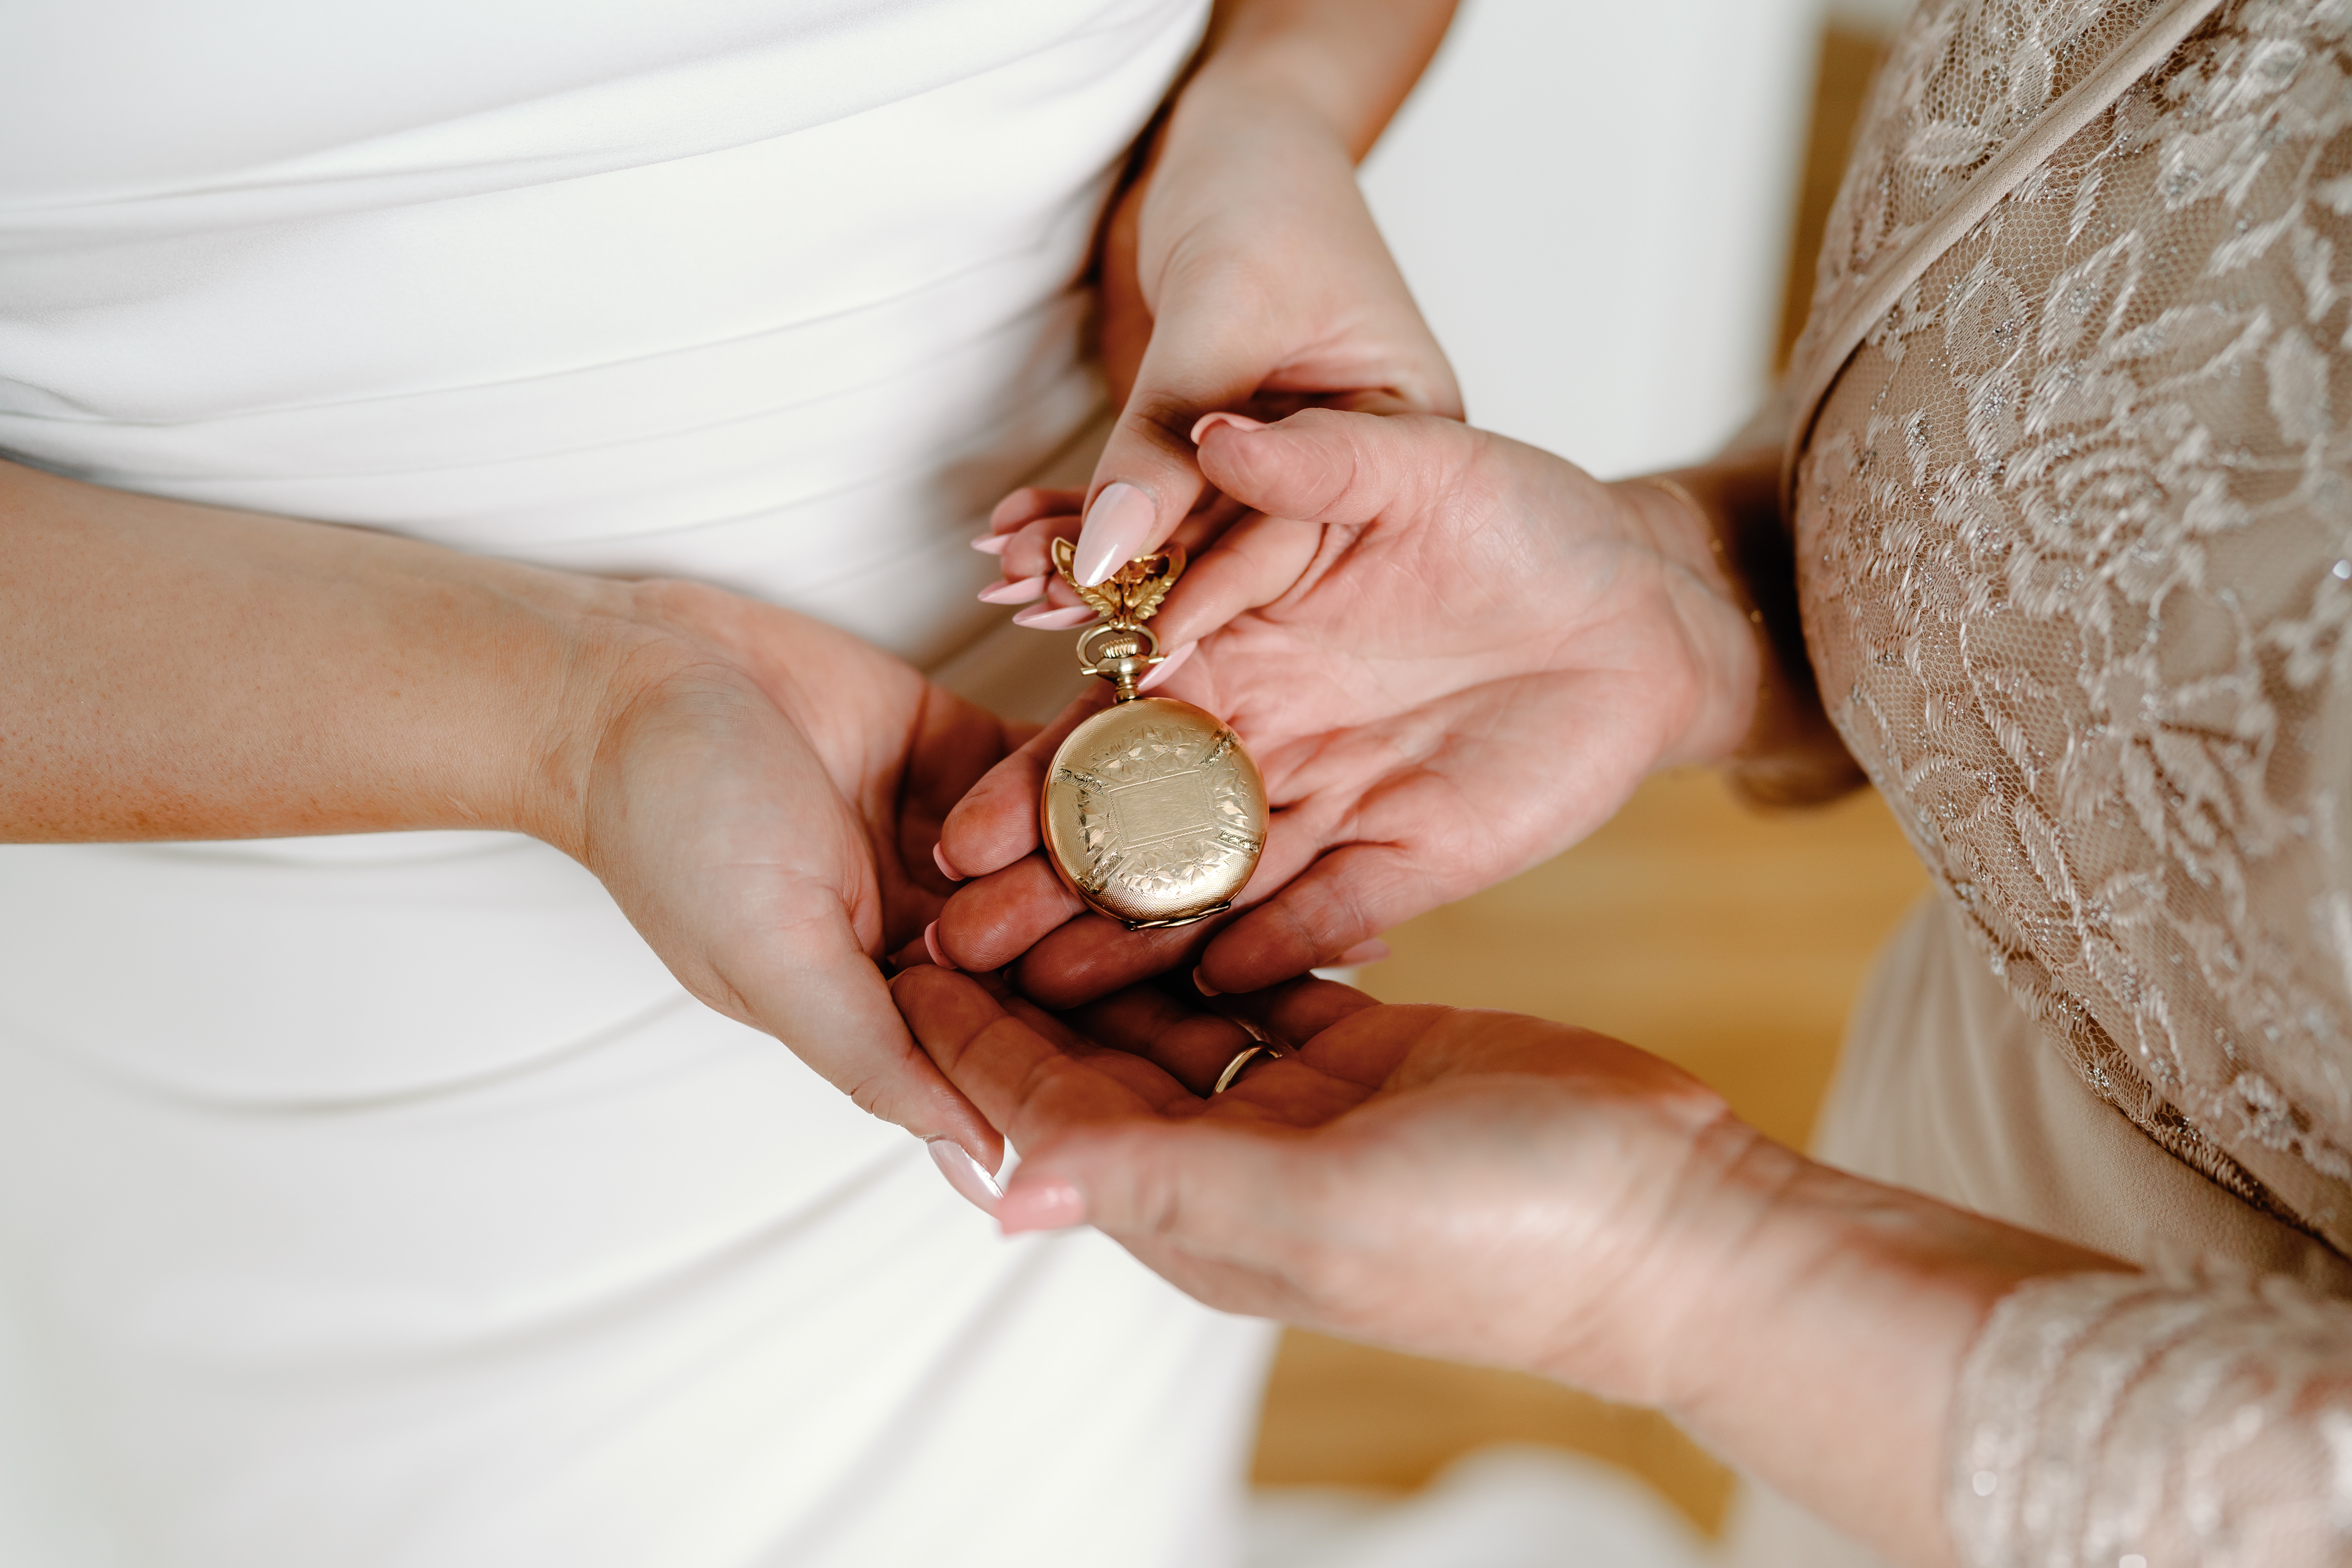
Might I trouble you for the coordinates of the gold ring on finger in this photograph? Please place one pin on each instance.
(1242, 1058)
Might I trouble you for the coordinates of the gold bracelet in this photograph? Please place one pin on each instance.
(1808, 764)
(1766, 658)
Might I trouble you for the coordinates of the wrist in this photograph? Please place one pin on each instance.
(1248, 111)
(1347, 64)
(1788, 752)
(1251, 93)
(1824, 1325)
(1718, 631)
(610, 648)
(197, 672)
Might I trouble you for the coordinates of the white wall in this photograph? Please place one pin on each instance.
(1591, 200)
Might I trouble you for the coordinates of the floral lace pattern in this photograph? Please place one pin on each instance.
(2115, 1418)
(2075, 548)
(1963, 80)
(2074, 535)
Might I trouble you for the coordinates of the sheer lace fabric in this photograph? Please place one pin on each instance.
(2069, 529)
(2074, 533)
(2176, 1420)
(1963, 81)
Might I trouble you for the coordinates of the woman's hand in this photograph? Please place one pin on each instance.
(763, 801)
(1451, 657)
(1478, 1186)
(1241, 269)
(1500, 1189)
(761, 794)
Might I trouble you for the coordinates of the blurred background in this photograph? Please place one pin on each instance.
(1608, 213)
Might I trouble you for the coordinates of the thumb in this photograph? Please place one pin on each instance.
(1319, 467)
(995, 822)
(1328, 467)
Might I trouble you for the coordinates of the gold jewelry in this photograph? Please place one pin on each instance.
(1792, 755)
(1151, 812)
(1731, 572)
(1242, 1058)
(1723, 561)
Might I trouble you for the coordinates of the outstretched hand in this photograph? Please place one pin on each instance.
(1493, 1188)
(763, 806)
(1452, 656)
(1479, 1185)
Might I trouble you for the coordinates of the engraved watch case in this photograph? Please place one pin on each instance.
(1151, 811)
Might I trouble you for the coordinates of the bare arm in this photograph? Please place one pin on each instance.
(1510, 1190)
(1349, 62)
(1814, 1327)
(759, 793)
(179, 671)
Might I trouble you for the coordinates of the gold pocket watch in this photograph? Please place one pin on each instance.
(1151, 812)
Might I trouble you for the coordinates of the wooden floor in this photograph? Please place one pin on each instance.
(1729, 941)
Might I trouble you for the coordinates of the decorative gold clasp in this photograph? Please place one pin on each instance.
(1122, 649)
(1120, 655)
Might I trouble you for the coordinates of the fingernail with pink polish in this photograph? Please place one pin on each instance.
(1050, 1204)
(1166, 667)
(1208, 422)
(964, 1173)
(1201, 984)
(1046, 618)
(1118, 526)
(1372, 951)
(939, 858)
(932, 946)
(992, 543)
(1019, 590)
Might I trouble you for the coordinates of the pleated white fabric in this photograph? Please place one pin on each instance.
(779, 294)
(384, 1201)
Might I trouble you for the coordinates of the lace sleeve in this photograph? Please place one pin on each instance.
(2145, 1420)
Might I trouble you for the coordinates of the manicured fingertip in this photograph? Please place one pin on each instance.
(1049, 1202)
(1046, 619)
(992, 543)
(1019, 590)
(932, 946)
(1201, 983)
(1118, 527)
(939, 858)
(1166, 667)
(1372, 951)
(966, 1174)
(1208, 422)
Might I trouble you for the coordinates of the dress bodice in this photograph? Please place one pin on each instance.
(2074, 535)
(780, 296)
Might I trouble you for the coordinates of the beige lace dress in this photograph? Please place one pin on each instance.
(2073, 508)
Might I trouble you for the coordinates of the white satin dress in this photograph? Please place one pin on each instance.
(384, 1201)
